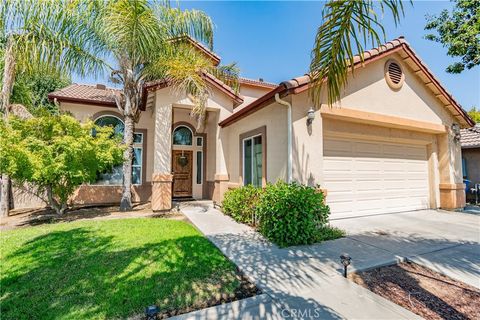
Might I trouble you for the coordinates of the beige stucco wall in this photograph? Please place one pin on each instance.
(367, 90)
(274, 117)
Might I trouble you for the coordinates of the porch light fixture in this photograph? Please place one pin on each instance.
(345, 259)
(456, 132)
(151, 312)
(310, 115)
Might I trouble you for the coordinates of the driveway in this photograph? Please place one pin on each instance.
(306, 281)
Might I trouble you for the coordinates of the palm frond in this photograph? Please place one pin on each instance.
(194, 23)
(229, 74)
(347, 25)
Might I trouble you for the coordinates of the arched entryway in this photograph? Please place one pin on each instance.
(188, 161)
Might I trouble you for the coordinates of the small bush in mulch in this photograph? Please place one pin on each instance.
(429, 294)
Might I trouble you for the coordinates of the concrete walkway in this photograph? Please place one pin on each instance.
(305, 281)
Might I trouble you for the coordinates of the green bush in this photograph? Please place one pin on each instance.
(240, 203)
(293, 214)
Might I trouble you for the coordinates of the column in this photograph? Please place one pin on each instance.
(162, 172)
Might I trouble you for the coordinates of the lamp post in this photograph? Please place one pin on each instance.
(345, 259)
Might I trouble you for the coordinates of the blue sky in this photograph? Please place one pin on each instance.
(273, 40)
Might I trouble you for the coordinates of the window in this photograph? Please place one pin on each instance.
(137, 158)
(464, 168)
(182, 136)
(111, 121)
(253, 161)
(199, 141)
(199, 166)
(115, 177)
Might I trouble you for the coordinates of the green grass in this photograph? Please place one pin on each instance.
(108, 269)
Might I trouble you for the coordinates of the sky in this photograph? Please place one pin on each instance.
(273, 40)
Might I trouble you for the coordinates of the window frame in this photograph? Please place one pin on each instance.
(262, 132)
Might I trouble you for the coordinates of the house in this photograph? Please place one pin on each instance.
(389, 145)
(470, 142)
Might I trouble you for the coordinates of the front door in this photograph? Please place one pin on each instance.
(182, 173)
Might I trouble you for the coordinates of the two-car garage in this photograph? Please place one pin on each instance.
(364, 177)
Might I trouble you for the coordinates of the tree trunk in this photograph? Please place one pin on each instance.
(7, 86)
(126, 202)
(59, 208)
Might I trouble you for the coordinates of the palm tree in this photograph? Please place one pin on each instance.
(347, 24)
(40, 34)
(145, 39)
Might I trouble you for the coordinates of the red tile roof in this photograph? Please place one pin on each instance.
(257, 83)
(87, 94)
(470, 137)
(302, 83)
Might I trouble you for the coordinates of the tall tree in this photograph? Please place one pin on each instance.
(145, 39)
(474, 114)
(347, 25)
(459, 32)
(45, 33)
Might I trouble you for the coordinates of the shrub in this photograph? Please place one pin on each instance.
(240, 203)
(56, 154)
(292, 214)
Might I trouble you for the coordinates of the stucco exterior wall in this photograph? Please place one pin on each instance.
(274, 117)
(367, 90)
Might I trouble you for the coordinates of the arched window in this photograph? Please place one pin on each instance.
(182, 136)
(115, 176)
(111, 121)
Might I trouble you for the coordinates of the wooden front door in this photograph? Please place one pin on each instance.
(182, 164)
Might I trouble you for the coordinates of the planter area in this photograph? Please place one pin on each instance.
(429, 294)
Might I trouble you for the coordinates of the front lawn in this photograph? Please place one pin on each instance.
(110, 269)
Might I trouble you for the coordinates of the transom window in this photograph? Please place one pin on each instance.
(182, 136)
(253, 161)
(115, 177)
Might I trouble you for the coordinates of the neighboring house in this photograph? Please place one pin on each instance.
(388, 146)
(470, 141)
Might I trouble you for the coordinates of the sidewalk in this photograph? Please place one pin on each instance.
(299, 282)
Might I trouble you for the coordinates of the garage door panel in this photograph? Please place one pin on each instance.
(366, 177)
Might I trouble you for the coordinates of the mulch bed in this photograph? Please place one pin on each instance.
(422, 291)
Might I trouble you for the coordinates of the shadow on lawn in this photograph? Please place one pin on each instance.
(81, 274)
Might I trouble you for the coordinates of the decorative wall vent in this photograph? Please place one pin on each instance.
(394, 74)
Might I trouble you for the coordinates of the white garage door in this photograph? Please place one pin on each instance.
(366, 177)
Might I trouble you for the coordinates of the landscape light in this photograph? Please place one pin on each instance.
(345, 259)
(151, 312)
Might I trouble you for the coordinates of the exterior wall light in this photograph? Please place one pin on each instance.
(456, 132)
(345, 259)
(151, 312)
(310, 115)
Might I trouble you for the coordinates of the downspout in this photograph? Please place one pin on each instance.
(289, 135)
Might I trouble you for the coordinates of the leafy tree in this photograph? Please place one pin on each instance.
(41, 33)
(347, 24)
(146, 41)
(32, 90)
(474, 114)
(56, 154)
(459, 31)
